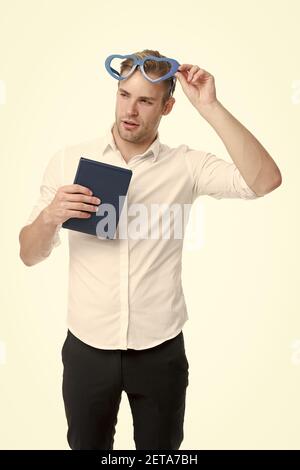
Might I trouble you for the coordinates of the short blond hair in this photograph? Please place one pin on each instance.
(157, 68)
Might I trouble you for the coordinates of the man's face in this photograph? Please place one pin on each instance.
(140, 101)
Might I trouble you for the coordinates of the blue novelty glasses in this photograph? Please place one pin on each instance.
(113, 66)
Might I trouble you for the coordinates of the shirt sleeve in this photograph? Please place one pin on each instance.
(51, 181)
(216, 177)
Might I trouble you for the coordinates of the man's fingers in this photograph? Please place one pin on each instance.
(76, 188)
(198, 74)
(80, 206)
(82, 198)
(184, 67)
(189, 70)
(78, 214)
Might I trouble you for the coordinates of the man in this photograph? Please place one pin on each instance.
(126, 306)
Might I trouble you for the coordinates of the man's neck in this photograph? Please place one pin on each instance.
(129, 150)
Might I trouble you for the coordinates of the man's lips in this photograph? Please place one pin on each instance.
(131, 122)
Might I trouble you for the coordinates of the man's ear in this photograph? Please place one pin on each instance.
(168, 106)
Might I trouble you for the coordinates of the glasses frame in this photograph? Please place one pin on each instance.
(137, 62)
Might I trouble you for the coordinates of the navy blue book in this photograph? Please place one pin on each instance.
(110, 184)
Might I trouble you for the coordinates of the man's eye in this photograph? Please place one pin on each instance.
(145, 101)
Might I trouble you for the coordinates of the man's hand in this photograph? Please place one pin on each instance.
(197, 84)
(68, 203)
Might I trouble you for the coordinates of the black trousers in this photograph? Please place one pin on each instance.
(154, 379)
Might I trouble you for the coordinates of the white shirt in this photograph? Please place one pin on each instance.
(127, 293)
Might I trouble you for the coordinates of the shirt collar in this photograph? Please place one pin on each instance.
(109, 141)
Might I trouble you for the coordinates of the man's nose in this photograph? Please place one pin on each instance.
(132, 108)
